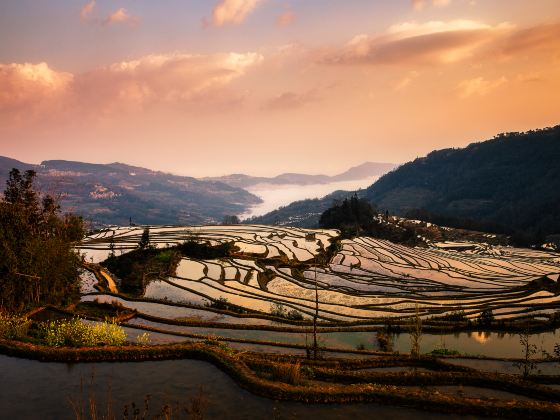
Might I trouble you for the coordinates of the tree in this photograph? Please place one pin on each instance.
(415, 329)
(231, 220)
(37, 261)
(145, 239)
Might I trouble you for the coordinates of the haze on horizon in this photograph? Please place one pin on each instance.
(269, 86)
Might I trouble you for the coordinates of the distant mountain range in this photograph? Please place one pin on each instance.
(114, 193)
(365, 170)
(508, 184)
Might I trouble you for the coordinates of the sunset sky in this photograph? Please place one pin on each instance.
(210, 87)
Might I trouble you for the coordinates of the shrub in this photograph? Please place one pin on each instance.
(76, 333)
(13, 327)
(445, 352)
(486, 318)
(289, 373)
(143, 339)
(294, 315)
(384, 341)
(277, 309)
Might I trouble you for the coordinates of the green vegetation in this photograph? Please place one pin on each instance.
(13, 327)
(75, 332)
(37, 262)
(510, 184)
(278, 310)
(204, 251)
(357, 217)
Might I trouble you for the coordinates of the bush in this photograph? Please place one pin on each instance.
(143, 339)
(289, 373)
(445, 352)
(13, 327)
(76, 333)
(486, 318)
(278, 310)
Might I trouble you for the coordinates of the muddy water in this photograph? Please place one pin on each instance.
(35, 390)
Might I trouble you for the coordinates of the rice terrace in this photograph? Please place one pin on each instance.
(392, 321)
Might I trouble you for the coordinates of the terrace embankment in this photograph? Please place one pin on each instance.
(333, 380)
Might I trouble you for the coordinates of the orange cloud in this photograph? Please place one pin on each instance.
(436, 43)
(87, 10)
(28, 85)
(412, 43)
(121, 16)
(291, 100)
(233, 11)
(478, 86)
(286, 18)
(176, 79)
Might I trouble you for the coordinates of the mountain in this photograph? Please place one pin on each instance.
(303, 213)
(365, 170)
(113, 193)
(509, 183)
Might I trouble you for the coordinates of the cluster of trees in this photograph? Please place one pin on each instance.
(37, 262)
(352, 217)
(510, 184)
(356, 216)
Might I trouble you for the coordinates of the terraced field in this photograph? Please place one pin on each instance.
(360, 282)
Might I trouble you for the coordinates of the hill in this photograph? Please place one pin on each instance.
(365, 170)
(509, 184)
(303, 213)
(114, 193)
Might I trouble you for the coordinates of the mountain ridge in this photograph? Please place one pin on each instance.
(365, 170)
(115, 193)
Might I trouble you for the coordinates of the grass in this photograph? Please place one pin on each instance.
(289, 373)
(13, 327)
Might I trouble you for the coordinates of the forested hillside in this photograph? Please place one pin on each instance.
(510, 183)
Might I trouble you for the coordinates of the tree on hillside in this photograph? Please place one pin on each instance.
(37, 261)
(231, 220)
(145, 239)
(352, 216)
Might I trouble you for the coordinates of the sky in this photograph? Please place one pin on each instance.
(212, 87)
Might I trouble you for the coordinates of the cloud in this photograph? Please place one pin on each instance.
(406, 81)
(24, 86)
(478, 86)
(432, 42)
(438, 42)
(200, 83)
(421, 4)
(286, 18)
(291, 100)
(233, 11)
(87, 10)
(121, 16)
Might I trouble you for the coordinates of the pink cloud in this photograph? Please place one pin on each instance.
(286, 18)
(233, 11)
(87, 10)
(291, 100)
(121, 16)
(24, 86)
(436, 42)
(177, 80)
